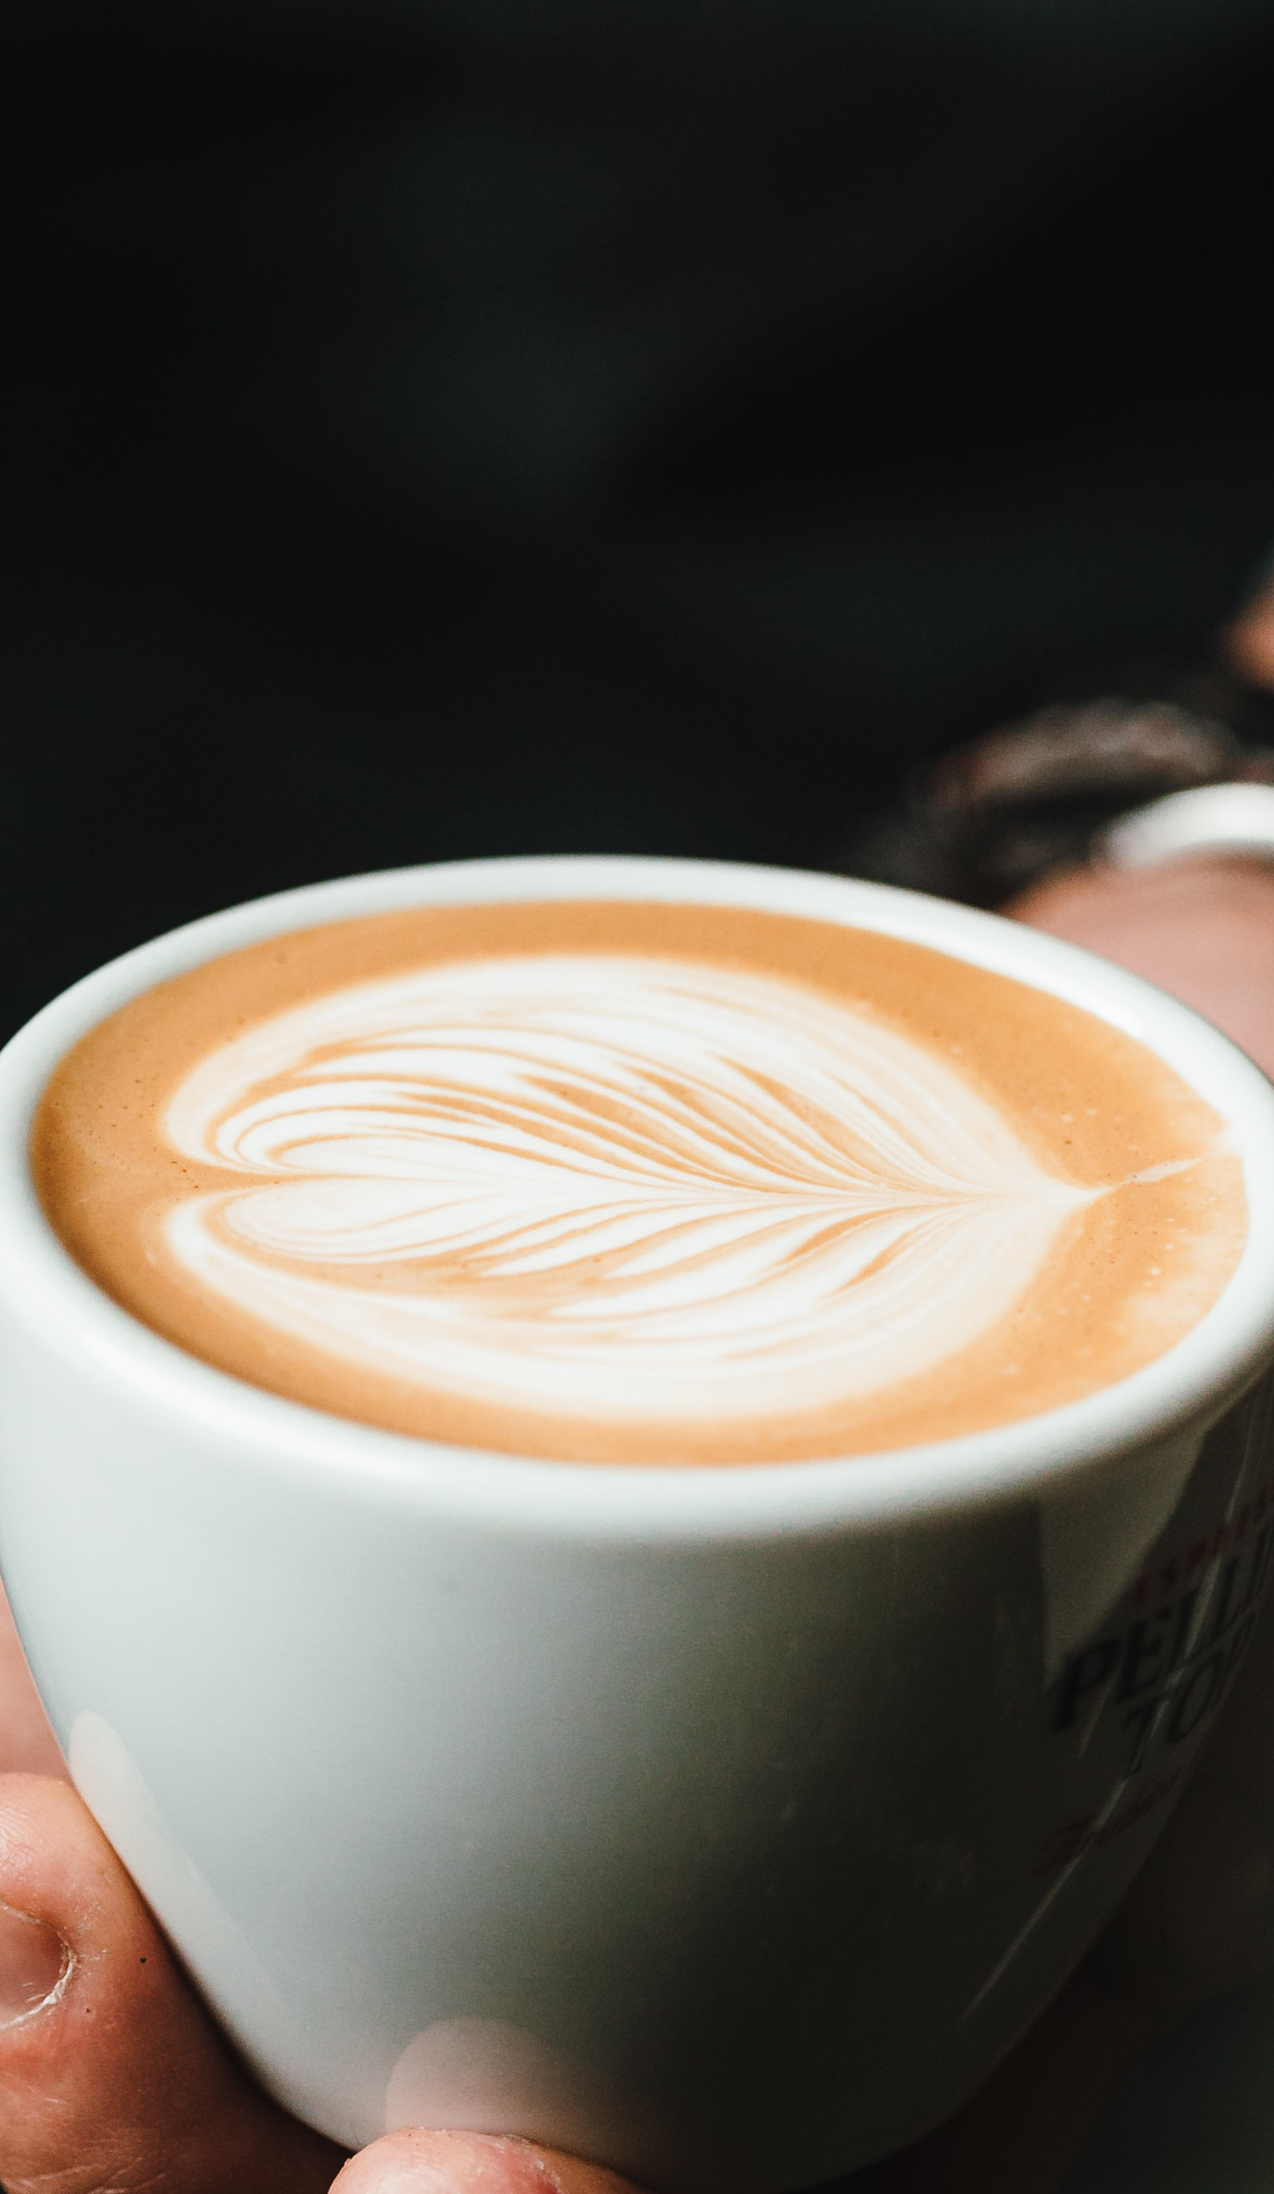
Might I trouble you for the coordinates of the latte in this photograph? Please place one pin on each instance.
(630, 1182)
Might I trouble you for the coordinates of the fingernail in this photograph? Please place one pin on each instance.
(34, 1965)
(416, 2161)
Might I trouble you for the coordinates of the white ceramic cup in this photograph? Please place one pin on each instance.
(725, 1825)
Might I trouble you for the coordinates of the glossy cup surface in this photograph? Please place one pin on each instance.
(723, 1824)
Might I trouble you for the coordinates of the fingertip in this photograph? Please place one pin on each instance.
(105, 2051)
(417, 2161)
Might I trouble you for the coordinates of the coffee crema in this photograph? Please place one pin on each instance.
(613, 1181)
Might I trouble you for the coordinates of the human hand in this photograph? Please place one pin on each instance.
(1202, 929)
(112, 2076)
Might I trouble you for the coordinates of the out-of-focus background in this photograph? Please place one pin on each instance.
(446, 427)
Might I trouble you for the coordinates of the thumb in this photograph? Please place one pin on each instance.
(111, 2074)
(417, 2162)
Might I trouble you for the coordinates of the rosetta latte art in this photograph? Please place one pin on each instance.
(608, 1185)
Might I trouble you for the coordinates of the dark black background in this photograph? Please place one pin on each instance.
(432, 432)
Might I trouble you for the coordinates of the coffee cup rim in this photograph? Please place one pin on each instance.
(1187, 1387)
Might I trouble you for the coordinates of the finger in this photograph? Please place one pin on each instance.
(111, 2073)
(418, 2162)
(27, 1744)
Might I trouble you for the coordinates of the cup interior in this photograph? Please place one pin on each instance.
(1203, 1373)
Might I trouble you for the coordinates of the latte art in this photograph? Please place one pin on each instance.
(611, 1184)
(631, 1182)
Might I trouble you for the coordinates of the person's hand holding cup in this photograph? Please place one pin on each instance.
(631, 1806)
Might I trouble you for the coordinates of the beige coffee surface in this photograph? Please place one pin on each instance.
(626, 1183)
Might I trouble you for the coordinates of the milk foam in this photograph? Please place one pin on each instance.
(609, 1185)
